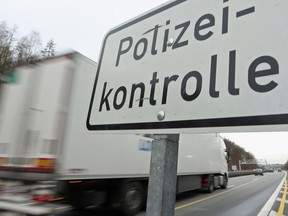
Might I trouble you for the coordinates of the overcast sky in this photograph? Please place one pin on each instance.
(77, 24)
(82, 24)
(270, 146)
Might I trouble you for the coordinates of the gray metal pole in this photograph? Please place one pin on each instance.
(163, 175)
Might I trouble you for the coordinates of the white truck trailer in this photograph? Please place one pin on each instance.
(43, 136)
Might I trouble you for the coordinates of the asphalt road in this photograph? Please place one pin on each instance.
(245, 196)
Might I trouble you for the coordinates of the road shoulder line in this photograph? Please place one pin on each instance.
(283, 201)
(268, 205)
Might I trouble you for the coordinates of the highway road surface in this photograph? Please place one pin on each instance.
(245, 196)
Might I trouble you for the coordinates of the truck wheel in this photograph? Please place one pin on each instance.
(77, 200)
(225, 183)
(86, 198)
(210, 184)
(132, 198)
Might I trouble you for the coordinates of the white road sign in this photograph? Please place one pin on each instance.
(205, 64)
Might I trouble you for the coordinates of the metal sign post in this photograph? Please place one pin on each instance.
(163, 175)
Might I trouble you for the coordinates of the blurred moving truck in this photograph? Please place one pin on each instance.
(43, 137)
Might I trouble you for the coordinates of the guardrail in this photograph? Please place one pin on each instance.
(240, 173)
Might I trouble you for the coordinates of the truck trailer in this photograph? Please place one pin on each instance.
(43, 137)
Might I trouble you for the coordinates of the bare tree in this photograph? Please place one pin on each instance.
(238, 153)
(49, 50)
(24, 50)
(28, 48)
(286, 165)
(7, 40)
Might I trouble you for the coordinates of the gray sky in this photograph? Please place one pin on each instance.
(77, 24)
(82, 24)
(270, 146)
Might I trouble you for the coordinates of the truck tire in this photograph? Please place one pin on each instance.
(77, 200)
(210, 188)
(132, 198)
(225, 182)
(81, 199)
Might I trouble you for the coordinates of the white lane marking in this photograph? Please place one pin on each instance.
(267, 207)
(280, 199)
(273, 213)
(230, 186)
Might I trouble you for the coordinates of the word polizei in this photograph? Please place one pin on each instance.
(119, 97)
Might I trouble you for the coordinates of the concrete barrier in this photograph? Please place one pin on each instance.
(240, 173)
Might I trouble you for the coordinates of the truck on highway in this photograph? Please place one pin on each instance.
(44, 139)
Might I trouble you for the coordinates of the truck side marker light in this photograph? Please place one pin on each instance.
(74, 182)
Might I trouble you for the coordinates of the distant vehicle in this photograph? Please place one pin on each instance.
(279, 170)
(43, 136)
(258, 172)
(270, 170)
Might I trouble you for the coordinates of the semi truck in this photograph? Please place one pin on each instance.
(43, 138)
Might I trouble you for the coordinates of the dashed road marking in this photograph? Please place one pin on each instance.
(282, 204)
(279, 200)
(273, 213)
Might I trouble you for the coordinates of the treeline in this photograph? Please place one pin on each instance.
(27, 49)
(286, 165)
(239, 154)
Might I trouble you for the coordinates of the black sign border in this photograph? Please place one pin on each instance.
(260, 120)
